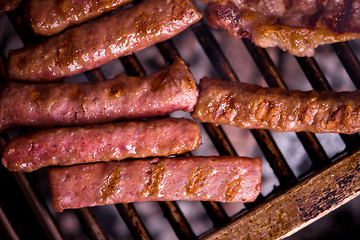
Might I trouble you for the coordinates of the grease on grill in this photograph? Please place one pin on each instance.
(198, 179)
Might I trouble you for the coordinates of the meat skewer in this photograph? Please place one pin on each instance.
(95, 143)
(48, 17)
(295, 26)
(223, 179)
(78, 104)
(251, 106)
(94, 43)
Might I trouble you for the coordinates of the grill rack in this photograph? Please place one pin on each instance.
(35, 208)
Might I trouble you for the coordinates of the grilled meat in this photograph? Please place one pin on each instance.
(48, 17)
(92, 44)
(251, 106)
(95, 143)
(79, 104)
(224, 179)
(296, 26)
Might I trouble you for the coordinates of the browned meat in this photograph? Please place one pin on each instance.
(223, 179)
(49, 17)
(95, 143)
(296, 26)
(251, 106)
(79, 104)
(9, 5)
(92, 44)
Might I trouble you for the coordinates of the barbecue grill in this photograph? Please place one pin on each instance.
(328, 180)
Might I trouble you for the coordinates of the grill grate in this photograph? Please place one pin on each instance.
(289, 183)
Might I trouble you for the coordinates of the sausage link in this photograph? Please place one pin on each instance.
(252, 106)
(79, 104)
(223, 179)
(92, 44)
(95, 143)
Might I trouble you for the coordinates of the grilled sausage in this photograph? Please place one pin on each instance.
(223, 179)
(79, 104)
(48, 17)
(92, 44)
(95, 143)
(251, 106)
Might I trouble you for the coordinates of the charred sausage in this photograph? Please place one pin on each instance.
(251, 106)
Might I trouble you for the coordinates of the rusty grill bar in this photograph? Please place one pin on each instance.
(289, 183)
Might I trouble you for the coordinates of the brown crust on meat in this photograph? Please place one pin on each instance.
(230, 179)
(78, 104)
(96, 143)
(306, 24)
(48, 17)
(251, 106)
(94, 43)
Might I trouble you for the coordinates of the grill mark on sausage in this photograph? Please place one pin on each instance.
(110, 184)
(197, 179)
(154, 181)
(232, 189)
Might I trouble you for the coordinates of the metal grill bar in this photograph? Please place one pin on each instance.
(177, 220)
(133, 221)
(214, 52)
(349, 61)
(90, 224)
(38, 206)
(6, 226)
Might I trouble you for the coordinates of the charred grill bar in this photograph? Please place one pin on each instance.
(288, 181)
